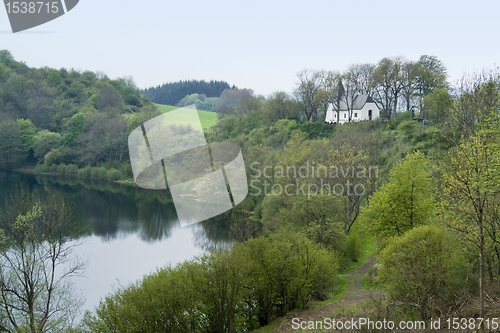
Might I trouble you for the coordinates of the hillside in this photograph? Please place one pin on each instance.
(207, 118)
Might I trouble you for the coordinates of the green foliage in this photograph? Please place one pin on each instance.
(85, 172)
(71, 170)
(61, 169)
(437, 105)
(407, 127)
(172, 93)
(423, 271)
(321, 218)
(60, 102)
(74, 128)
(352, 248)
(166, 301)
(113, 174)
(407, 200)
(44, 142)
(11, 145)
(227, 290)
(317, 130)
(207, 119)
(27, 132)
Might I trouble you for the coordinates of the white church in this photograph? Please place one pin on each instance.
(363, 108)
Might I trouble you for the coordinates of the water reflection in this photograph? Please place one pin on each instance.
(130, 231)
(112, 211)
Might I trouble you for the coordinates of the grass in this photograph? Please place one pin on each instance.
(338, 292)
(367, 284)
(368, 246)
(207, 118)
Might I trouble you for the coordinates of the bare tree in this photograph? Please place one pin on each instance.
(409, 72)
(309, 92)
(388, 82)
(334, 91)
(36, 261)
(350, 91)
(362, 77)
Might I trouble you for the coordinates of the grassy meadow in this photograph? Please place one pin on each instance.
(207, 118)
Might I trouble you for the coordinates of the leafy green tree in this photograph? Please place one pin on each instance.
(74, 128)
(423, 271)
(10, 145)
(432, 74)
(321, 217)
(280, 106)
(44, 142)
(224, 272)
(104, 139)
(470, 193)
(283, 271)
(27, 132)
(437, 105)
(195, 99)
(404, 202)
(77, 91)
(168, 300)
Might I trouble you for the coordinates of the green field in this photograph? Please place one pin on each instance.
(207, 118)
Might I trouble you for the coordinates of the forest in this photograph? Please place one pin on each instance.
(172, 93)
(427, 220)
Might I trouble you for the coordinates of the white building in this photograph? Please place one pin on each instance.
(363, 108)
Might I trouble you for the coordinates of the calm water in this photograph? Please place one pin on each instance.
(129, 231)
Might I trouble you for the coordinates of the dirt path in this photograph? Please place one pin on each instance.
(354, 295)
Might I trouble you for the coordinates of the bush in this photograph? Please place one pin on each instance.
(71, 170)
(126, 170)
(392, 124)
(61, 169)
(45, 168)
(85, 172)
(53, 168)
(38, 169)
(407, 127)
(317, 130)
(113, 175)
(352, 248)
(212, 293)
(423, 271)
(101, 173)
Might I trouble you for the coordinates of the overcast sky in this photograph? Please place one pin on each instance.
(256, 44)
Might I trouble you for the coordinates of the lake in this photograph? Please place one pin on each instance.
(129, 232)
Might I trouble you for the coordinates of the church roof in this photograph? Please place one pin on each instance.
(358, 103)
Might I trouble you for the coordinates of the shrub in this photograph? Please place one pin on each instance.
(101, 173)
(85, 172)
(126, 170)
(352, 248)
(53, 168)
(94, 174)
(113, 174)
(423, 270)
(61, 169)
(407, 127)
(392, 124)
(71, 170)
(45, 168)
(38, 169)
